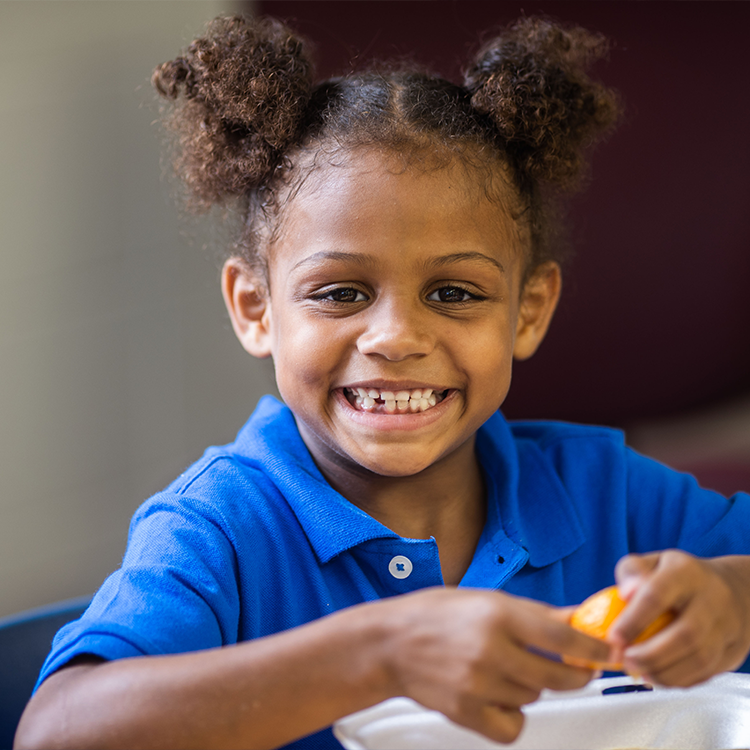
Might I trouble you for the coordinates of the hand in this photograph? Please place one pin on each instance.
(711, 601)
(475, 655)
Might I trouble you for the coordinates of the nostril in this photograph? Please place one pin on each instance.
(396, 341)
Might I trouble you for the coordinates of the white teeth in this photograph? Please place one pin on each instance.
(417, 400)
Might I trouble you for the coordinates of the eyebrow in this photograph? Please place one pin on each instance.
(361, 259)
(445, 260)
(364, 259)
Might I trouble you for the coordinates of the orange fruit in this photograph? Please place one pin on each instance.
(595, 616)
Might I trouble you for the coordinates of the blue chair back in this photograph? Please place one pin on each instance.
(25, 641)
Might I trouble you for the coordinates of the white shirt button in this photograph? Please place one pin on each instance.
(400, 567)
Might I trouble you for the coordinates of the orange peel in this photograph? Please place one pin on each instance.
(595, 615)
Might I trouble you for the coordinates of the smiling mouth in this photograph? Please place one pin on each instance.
(394, 402)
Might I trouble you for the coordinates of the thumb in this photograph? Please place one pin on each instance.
(632, 570)
(561, 614)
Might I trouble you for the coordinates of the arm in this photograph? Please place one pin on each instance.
(711, 600)
(261, 693)
(463, 652)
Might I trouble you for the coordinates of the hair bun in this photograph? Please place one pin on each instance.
(245, 85)
(532, 82)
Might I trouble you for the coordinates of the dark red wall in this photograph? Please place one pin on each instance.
(655, 317)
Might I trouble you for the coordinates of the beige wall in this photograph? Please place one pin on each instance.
(117, 362)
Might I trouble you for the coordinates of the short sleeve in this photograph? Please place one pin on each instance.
(176, 591)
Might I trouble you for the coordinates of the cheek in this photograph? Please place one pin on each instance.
(488, 344)
(305, 356)
(489, 357)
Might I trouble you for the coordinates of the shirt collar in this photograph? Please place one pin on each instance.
(333, 525)
(535, 510)
(545, 522)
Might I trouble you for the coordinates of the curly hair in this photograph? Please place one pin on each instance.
(246, 108)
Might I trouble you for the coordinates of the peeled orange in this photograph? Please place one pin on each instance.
(595, 616)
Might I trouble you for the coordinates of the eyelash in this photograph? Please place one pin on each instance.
(468, 296)
(326, 296)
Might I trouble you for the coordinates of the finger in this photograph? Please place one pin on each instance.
(558, 675)
(510, 693)
(681, 641)
(614, 656)
(668, 588)
(505, 724)
(544, 631)
(536, 671)
(499, 723)
(686, 673)
(692, 668)
(655, 655)
(632, 570)
(561, 614)
(508, 677)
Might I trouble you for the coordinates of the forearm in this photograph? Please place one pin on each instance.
(259, 694)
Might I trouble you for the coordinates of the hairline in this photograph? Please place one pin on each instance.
(317, 155)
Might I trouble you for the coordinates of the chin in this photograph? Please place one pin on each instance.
(396, 465)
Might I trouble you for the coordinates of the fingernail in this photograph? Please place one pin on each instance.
(597, 675)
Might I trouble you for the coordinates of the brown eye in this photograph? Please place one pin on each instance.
(344, 294)
(450, 294)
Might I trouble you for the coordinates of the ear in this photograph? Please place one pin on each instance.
(248, 305)
(539, 298)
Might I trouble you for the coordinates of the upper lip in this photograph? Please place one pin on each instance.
(392, 385)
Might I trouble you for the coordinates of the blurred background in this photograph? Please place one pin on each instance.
(117, 362)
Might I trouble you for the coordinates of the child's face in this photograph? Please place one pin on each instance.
(392, 281)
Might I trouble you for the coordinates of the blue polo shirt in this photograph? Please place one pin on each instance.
(251, 540)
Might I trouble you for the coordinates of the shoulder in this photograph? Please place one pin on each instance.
(221, 476)
(550, 434)
(595, 455)
(223, 508)
(563, 449)
(267, 445)
(245, 461)
(572, 449)
(233, 484)
(591, 464)
(616, 488)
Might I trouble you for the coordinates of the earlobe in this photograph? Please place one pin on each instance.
(539, 298)
(249, 307)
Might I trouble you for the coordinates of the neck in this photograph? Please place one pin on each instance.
(446, 501)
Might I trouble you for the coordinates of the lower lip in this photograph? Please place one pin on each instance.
(401, 422)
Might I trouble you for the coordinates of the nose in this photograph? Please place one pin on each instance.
(397, 329)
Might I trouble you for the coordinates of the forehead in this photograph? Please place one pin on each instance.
(373, 197)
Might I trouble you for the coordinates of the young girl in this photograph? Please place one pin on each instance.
(386, 532)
